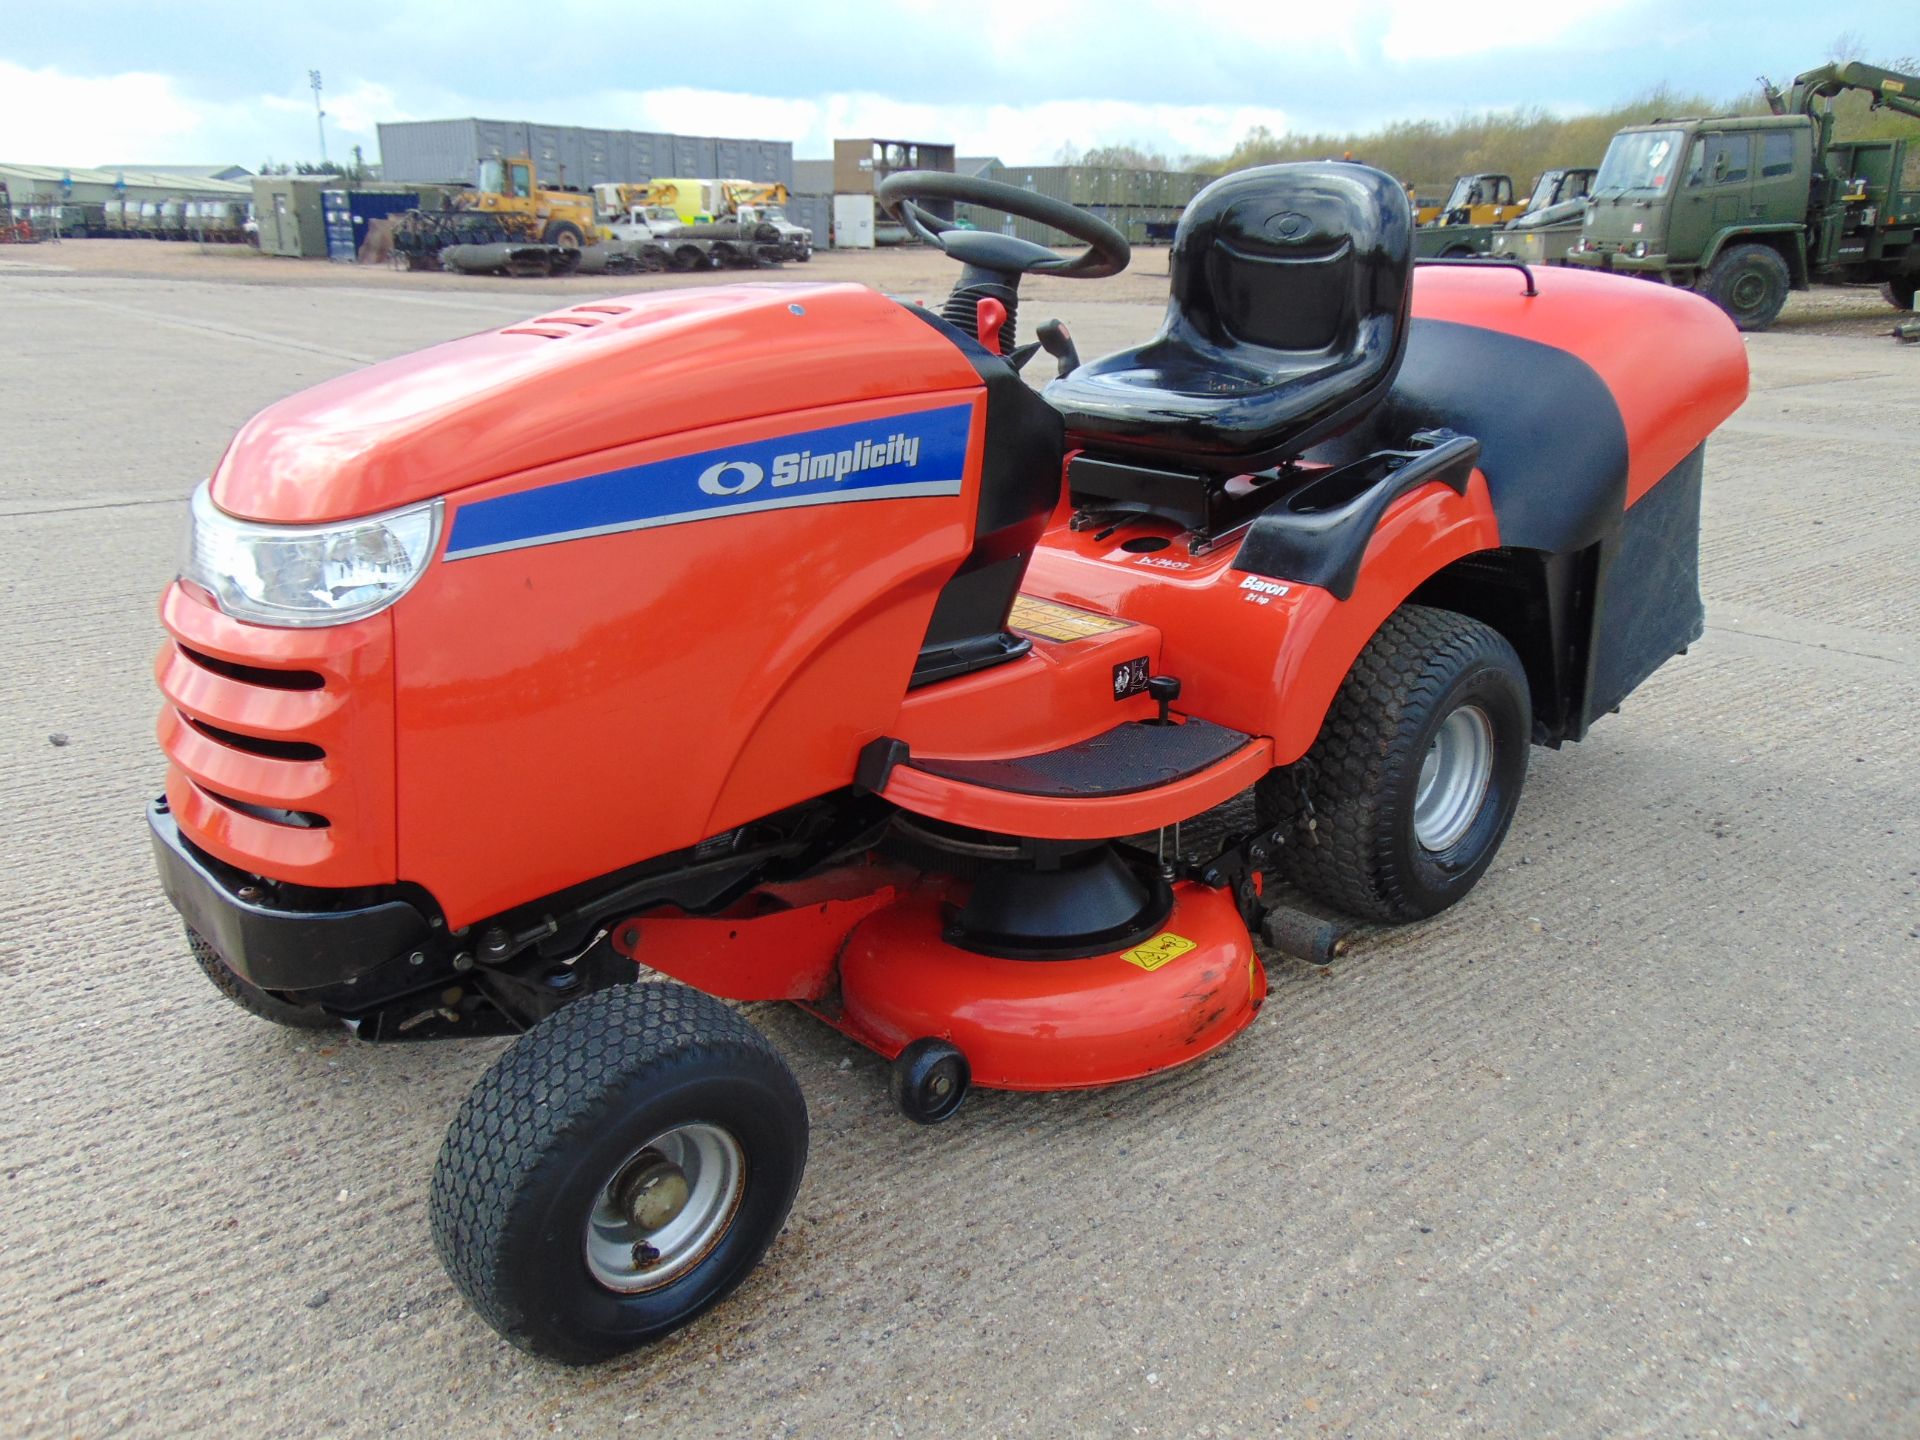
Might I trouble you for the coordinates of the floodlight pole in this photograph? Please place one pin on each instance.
(319, 115)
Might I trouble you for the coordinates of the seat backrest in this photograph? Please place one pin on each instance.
(1287, 321)
(1293, 258)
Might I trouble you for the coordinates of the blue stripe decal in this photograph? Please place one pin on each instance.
(892, 457)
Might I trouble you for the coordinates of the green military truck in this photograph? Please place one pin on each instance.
(1743, 208)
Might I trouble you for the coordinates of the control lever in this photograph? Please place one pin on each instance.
(1057, 341)
(1165, 689)
(990, 317)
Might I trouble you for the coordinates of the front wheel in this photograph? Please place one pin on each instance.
(1750, 283)
(565, 234)
(1398, 808)
(1900, 290)
(619, 1169)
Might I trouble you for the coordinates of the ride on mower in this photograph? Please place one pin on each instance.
(783, 642)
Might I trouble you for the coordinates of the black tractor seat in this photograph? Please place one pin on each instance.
(1286, 325)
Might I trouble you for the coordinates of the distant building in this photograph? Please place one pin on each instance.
(79, 185)
(860, 165)
(191, 172)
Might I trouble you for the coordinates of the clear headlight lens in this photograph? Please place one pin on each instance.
(307, 574)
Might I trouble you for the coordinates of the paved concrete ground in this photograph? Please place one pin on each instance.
(1624, 1146)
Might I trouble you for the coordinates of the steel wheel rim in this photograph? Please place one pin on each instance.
(1749, 290)
(1454, 776)
(664, 1208)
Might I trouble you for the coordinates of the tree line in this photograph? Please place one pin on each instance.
(1520, 143)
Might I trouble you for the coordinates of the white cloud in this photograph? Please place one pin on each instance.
(351, 118)
(53, 118)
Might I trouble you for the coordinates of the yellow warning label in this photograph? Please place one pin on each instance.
(1158, 951)
(1051, 620)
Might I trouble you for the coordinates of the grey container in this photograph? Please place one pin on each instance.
(597, 160)
(816, 213)
(431, 150)
(494, 139)
(449, 152)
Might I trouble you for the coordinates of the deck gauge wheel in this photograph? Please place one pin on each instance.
(928, 1081)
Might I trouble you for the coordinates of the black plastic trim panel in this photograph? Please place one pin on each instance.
(277, 949)
(1318, 534)
(1552, 444)
(1134, 756)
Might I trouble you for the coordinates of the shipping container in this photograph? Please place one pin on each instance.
(812, 177)
(450, 152)
(815, 212)
(288, 207)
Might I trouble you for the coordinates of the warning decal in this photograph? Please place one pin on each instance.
(1052, 621)
(1158, 951)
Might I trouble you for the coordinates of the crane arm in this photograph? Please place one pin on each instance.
(1888, 88)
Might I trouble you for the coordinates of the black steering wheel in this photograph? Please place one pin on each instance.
(1107, 251)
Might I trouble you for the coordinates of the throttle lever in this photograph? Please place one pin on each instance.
(1057, 341)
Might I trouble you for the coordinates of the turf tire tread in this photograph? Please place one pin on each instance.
(544, 1095)
(1341, 854)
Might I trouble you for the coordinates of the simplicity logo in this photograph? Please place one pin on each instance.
(736, 477)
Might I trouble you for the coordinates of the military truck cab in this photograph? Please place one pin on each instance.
(1677, 199)
(1743, 208)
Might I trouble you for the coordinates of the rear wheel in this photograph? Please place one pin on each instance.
(251, 997)
(1900, 290)
(1750, 283)
(1400, 805)
(565, 234)
(621, 1168)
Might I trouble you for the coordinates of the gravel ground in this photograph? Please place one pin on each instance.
(1624, 1145)
(1856, 310)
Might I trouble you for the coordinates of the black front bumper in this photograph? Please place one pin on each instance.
(280, 948)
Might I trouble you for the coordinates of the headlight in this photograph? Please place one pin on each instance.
(307, 574)
(1639, 249)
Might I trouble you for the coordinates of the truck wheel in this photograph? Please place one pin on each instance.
(1457, 252)
(1749, 282)
(1900, 290)
(251, 997)
(619, 1169)
(565, 234)
(1398, 808)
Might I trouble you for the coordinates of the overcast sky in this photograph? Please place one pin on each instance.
(90, 82)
